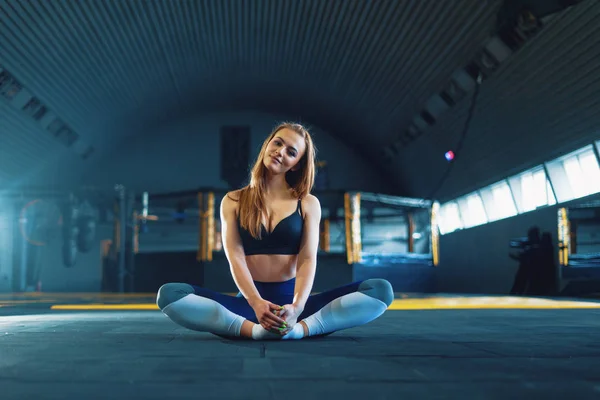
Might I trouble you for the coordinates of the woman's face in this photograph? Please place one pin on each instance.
(284, 151)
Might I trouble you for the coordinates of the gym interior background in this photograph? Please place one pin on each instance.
(442, 138)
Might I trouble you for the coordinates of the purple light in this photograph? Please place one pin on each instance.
(450, 155)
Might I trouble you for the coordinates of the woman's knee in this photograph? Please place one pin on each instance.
(171, 292)
(379, 289)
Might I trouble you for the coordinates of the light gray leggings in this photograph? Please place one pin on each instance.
(379, 289)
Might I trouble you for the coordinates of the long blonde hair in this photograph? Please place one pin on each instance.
(252, 197)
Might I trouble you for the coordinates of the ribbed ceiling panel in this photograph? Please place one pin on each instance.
(359, 69)
(541, 104)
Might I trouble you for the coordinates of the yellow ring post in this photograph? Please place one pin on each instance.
(200, 254)
(564, 245)
(325, 241)
(206, 226)
(352, 217)
(435, 236)
(356, 237)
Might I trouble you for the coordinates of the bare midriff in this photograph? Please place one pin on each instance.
(272, 267)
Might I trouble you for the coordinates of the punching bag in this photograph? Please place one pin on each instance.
(86, 222)
(70, 232)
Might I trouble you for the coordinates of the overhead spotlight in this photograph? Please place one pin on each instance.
(436, 106)
(413, 132)
(396, 147)
(427, 117)
(449, 155)
(487, 63)
(527, 22)
(404, 139)
(497, 49)
(420, 123)
(388, 153)
(457, 88)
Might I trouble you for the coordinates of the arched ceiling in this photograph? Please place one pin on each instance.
(360, 69)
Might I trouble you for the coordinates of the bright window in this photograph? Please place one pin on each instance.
(498, 201)
(472, 210)
(575, 175)
(531, 190)
(449, 218)
(572, 176)
(590, 172)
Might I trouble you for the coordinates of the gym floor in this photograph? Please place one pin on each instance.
(94, 346)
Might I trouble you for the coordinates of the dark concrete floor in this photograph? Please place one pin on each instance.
(420, 354)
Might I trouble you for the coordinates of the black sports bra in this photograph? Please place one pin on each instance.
(284, 239)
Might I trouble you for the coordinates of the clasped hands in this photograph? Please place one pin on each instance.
(275, 318)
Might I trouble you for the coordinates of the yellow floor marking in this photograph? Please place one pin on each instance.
(435, 303)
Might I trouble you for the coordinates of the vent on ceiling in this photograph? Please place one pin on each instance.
(518, 22)
(87, 153)
(19, 97)
(35, 109)
(62, 132)
(9, 86)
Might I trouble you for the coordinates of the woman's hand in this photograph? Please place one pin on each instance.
(266, 313)
(289, 313)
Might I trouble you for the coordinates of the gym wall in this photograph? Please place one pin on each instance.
(84, 276)
(187, 155)
(31, 262)
(476, 260)
(184, 156)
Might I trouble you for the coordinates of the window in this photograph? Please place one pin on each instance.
(449, 218)
(572, 176)
(383, 230)
(589, 173)
(575, 175)
(472, 210)
(531, 190)
(498, 201)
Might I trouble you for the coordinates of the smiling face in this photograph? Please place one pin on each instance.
(284, 151)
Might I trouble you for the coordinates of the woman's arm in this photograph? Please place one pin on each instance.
(234, 251)
(307, 258)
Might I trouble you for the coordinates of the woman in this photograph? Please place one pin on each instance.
(270, 233)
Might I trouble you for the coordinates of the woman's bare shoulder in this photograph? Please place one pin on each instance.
(230, 202)
(234, 195)
(311, 204)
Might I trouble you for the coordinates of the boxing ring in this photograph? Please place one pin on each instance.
(362, 235)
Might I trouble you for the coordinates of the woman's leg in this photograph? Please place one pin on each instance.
(345, 307)
(204, 310)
